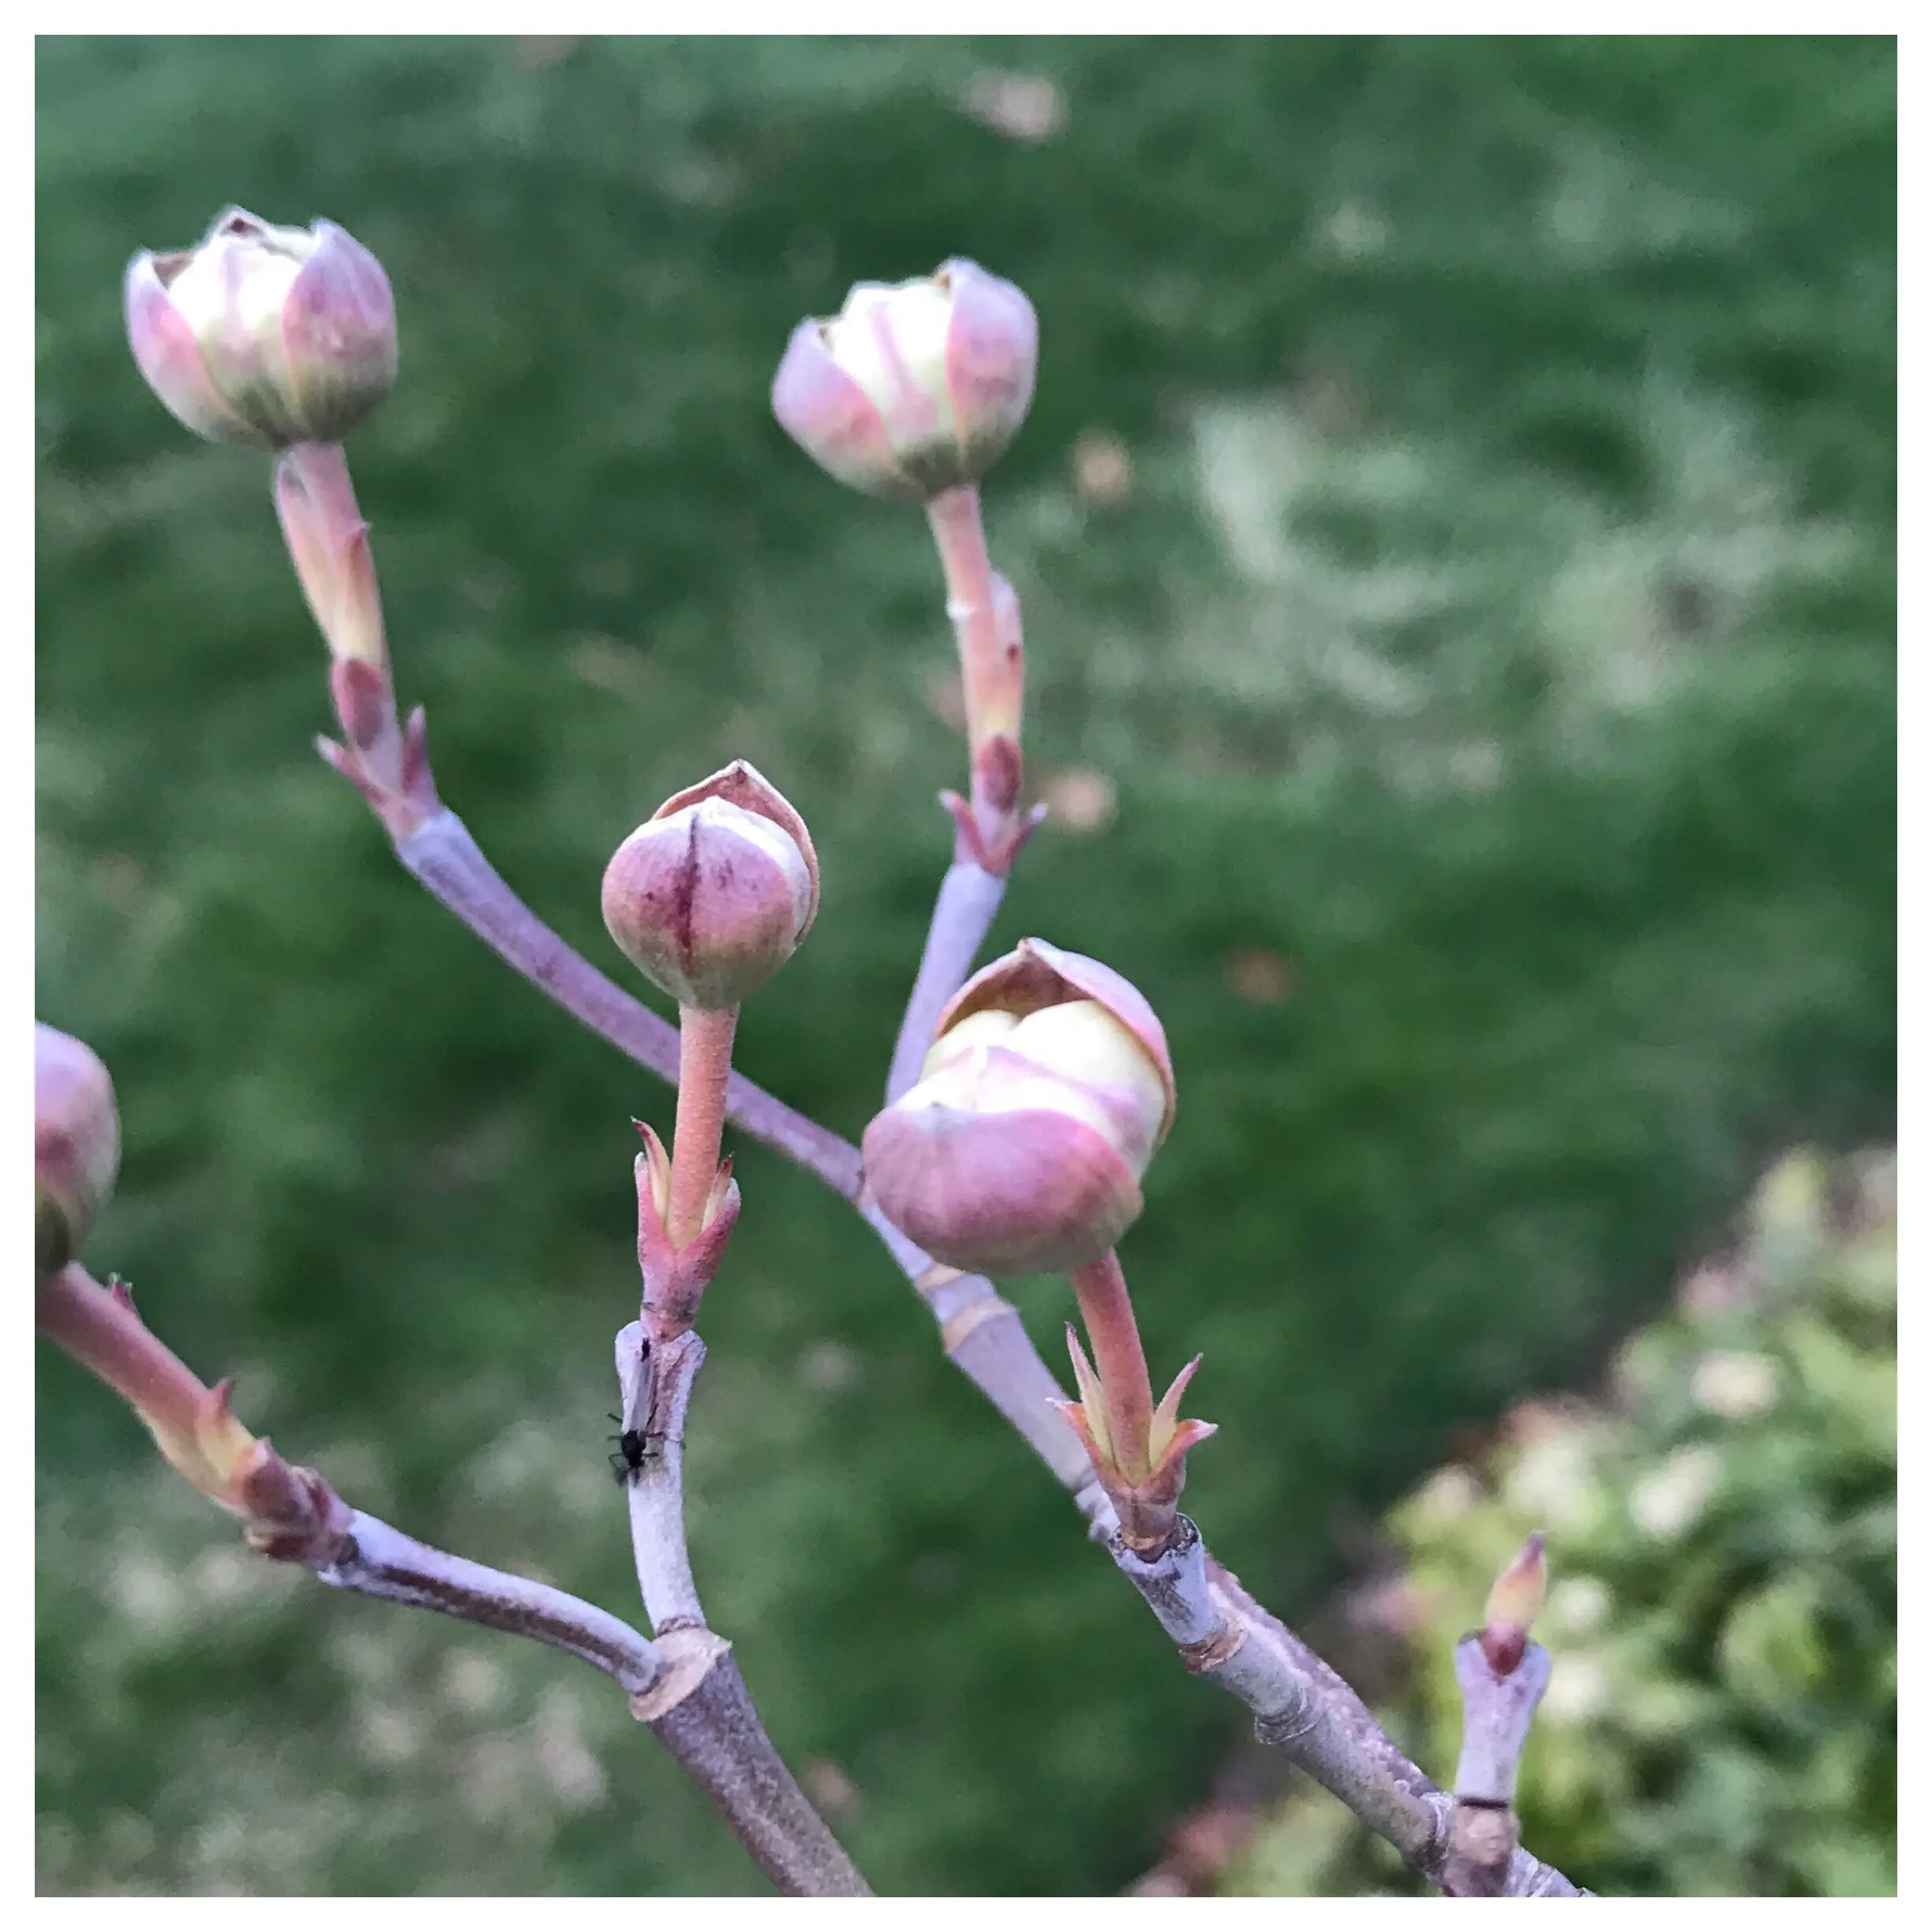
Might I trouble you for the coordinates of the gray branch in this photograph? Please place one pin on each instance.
(1304, 1709)
(379, 1561)
(656, 1398)
(702, 1710)
(968, 901)
(1497, 1710)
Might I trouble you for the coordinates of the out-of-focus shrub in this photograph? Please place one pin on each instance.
(1723, 1608)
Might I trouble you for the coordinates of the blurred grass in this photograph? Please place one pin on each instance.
(1496, 645)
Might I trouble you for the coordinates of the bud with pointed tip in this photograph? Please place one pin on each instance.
(76, 1145)
(710, 896)
(1513, 1606)
(913, 387)
(1020, 1148)
(264, 335)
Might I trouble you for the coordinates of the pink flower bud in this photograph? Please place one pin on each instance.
(1021, 1147)
(76, 1145)
(913, 387)
(264, 335)
(710, 896)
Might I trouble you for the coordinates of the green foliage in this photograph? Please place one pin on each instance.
(1495, 648)
(1722, 1715)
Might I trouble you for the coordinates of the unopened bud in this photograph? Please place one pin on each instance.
(76, 1145)
(913, 387)
(264, 335)
(1513, 1605)
(1021, 1147)
(711, 895)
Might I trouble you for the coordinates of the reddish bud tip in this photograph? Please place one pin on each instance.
(1514, 1605)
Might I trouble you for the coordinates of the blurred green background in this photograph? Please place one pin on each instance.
(1722, 1713)
(1456, 533)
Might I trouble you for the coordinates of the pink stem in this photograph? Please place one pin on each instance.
(705, 1036)
(100, 1330)
(1119, 1360)
(991, 664)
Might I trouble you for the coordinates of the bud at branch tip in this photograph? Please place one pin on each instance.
(264, 335)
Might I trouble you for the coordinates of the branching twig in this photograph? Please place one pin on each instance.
(1304, 1710)
(702, 1712)
(687, 1689)
(1313, 1712)
(711, 1722)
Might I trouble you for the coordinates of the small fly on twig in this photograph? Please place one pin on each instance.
(627, 1460)
(634, 1443)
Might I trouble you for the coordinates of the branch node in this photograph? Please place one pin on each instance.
(1212, 1651)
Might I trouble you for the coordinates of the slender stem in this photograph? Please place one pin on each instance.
(990, 673)
(327, 540)
(656, 1399)
(969, 898)
(382, 1562)
(705, 1036)
(1119, 1360)
(103, 1333)
(320, 471)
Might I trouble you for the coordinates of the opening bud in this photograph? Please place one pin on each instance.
(913, 387)
(1020, 1148)
(76, 1146)
(264, 335)
(711, 895)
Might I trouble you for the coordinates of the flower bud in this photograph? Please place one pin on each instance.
(912, 387)
(76, 1146)
(710, 896)
(263, 336)
(1021, 1147)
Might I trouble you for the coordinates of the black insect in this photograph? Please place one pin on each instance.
(627, 1458)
